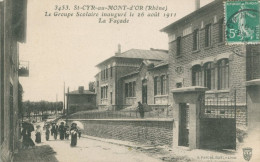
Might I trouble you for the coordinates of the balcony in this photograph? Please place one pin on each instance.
(23, 69)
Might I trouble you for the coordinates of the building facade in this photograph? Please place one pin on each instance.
(110, 81)
(81, 100)
(12, 29)
(148, 84)
(198, 56)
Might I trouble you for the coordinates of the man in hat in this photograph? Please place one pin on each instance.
(62, 131)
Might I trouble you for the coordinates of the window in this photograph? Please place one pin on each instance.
(134, 85)
(130, 89)
(155, 85)
(111, 72)
(163, 85)
(106, 73)
(208, 35)
(223, 74)
(197, 75)
(104, 91)
(158, 86)
(221, 31)
(178, 48)
(209, 75)
(126, 89)
(196, 40)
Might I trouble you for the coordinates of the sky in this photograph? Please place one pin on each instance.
(61, 49)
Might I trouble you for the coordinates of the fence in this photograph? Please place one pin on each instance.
(156, 111)
(218, 108)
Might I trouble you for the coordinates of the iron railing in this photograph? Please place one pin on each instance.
(159, 111)
(218, 108)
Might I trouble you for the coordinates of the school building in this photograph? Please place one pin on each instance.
(210, 81)
(127, 77)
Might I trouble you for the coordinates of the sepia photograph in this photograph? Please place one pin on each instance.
(130, 81)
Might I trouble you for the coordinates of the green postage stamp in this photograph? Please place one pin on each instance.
(242, 22)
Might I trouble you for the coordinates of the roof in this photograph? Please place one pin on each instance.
(153, 54)
(191, 15)
(85, 92)
(131, 73)
(161, 63)
(144, 54)
(152, 64)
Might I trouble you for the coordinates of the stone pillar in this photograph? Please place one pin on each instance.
(193, 96)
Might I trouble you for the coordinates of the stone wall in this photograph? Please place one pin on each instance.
(143, 131)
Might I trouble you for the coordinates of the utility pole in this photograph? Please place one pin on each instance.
(67, 114)
(56, 104)
(64, 99)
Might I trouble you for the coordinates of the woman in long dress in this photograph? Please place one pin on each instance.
(47, 133)
(74, 135)
(38, 135)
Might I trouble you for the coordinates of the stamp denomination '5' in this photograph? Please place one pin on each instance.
(242, 22)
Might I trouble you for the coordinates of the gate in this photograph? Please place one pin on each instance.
(218, 123)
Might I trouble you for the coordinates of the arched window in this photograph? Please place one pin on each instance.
(209, 75)
(197, 75)
(223, 74)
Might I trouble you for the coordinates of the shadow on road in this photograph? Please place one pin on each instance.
(43, 153)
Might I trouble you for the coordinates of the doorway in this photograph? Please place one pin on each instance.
(184, 125)
(144, 91)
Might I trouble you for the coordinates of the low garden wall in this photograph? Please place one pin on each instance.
(143, 131)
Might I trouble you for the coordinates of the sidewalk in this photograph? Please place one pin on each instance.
(39, 153)
(175, 154)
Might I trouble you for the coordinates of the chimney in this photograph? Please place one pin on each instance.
(197, 4)
(118, 49)
(81, 89)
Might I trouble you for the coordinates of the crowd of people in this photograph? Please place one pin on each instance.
(52, 129)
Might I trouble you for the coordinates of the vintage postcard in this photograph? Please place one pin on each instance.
(130, 81)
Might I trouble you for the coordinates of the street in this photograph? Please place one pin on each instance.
(96, 151)
(87, 150)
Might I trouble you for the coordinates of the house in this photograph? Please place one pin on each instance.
(81, 100)
(13, 32)
(113, 87)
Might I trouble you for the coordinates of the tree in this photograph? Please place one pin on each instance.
(60, 106)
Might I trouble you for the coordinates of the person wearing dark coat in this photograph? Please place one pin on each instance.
(54, 131)
(67, 132)
(26, 134)
(47, 133)
(62, 131)
(141, 109)
(74, 134)
(38, 134)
